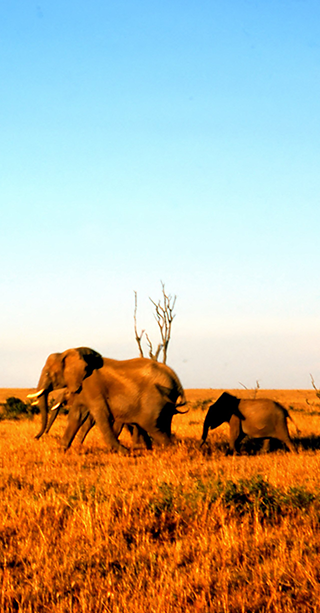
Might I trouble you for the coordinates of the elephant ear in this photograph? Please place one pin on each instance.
(79, 364)
(92, 358)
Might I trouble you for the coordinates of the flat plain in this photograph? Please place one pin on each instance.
(168, 530)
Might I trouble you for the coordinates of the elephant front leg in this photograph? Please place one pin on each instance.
(236, 434)
(75, 421)
(85, 428)
(52, 418)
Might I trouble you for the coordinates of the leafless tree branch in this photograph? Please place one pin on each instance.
(153, 356)
(256, 389)
(243, 385)
(314, 386)
(138, 338)
(164, 317)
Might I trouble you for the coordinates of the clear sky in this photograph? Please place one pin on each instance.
(149, 140)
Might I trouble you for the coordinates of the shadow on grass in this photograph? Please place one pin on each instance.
(212, 447)
(254, 446)
(307, 443)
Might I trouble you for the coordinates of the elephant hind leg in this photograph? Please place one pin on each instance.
(140, 436)
(265, 445)
(282, 434)
(159, 438)
(285, 438)
(100, 412)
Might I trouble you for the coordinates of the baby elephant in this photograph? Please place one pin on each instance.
(260, 418)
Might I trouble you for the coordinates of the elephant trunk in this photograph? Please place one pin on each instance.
(204, 433)
(43, 407)
(206, 426)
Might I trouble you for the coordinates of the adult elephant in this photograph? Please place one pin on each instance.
(259, 418)
(63, 398)
(64, 372)
(139, 392)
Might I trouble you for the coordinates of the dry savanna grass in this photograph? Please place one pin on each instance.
(165, 531)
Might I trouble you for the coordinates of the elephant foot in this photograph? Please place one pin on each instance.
(118, 449)
(202, 445)
(123, 451)
(161, 439)
(232, 449)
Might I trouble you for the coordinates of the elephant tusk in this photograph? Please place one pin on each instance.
(56, 406)
(34, 403)
(36, 394)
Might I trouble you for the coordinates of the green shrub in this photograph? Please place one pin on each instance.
(15, 408)
(203, 405)
(253, 497)
(249, 495)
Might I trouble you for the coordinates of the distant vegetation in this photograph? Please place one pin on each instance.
(15, 408)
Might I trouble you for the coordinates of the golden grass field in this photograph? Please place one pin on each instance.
(165, 531)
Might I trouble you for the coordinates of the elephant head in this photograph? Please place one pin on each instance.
(220, 412)
(64, 370)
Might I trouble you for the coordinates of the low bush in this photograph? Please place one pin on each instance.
(15, 408)
(251, 497)
(203, 405)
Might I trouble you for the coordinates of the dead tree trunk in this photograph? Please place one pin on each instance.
(164, 317)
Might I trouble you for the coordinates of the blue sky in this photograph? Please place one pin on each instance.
(154, 140)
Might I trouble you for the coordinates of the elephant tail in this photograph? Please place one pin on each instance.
(180, 394)
(288, 416)
(183, 401)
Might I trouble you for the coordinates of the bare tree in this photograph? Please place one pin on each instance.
(314, 386)
(138, 338)
(256, 389)
(164, 317)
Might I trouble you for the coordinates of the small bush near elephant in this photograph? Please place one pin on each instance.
(15, 408)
